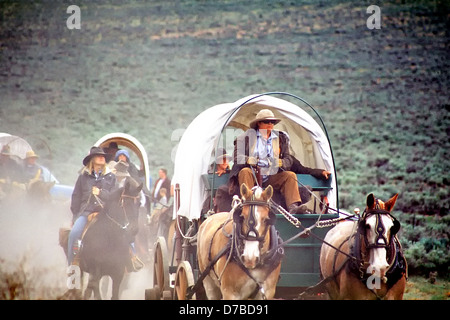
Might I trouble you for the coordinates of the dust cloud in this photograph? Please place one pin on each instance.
(32, 260)
(30, 254)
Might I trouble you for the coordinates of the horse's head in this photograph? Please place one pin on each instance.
(253, 223)
(378, 226)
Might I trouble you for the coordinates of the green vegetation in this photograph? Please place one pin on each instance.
(418, 288)
(426, 240)
(148, 69)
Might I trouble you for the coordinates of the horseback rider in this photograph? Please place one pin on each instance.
(92, 187)
(11, 173)
(32, 171)
(261, 155)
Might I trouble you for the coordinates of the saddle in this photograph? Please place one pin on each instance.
(64, 232)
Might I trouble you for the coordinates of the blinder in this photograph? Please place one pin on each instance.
(379, 228)
(252, 233)
(237, 215)
(396, 227)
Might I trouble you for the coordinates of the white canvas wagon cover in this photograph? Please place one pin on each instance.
(18, 146)
(308, 143)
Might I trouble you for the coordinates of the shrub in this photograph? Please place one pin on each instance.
(426, 244)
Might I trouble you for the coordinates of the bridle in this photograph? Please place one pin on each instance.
(232, 247)
(380, 239)
(252, 233)
(122, 198)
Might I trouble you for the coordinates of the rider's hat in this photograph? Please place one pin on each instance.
(124, 152)
(263, 114)
(221, 153)
(95, 151)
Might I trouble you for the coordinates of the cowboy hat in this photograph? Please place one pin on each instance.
(95, 151)
(121, 169)
(31, 154)
(263, 114)
(221, 153)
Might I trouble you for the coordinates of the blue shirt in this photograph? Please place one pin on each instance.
(264, 153)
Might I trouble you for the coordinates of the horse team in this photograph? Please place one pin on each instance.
(358, 260)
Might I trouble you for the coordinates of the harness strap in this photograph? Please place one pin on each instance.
(274, 255)
(258, 287)
(323, 281)
(191, 291)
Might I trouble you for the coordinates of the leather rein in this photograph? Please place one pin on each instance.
(123, 196)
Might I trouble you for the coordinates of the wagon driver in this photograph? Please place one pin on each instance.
(263, 153)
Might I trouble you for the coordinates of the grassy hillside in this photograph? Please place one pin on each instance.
(149, 68)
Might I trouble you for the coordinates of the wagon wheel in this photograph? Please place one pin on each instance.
(183, 280)
(160, 271)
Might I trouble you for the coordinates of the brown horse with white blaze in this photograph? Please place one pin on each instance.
(363, 260)
(239, 250)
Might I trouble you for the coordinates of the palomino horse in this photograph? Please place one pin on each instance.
(234, 249)
(106, 243)
(365, 259)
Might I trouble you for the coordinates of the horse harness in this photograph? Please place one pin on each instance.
(356, 260)
(393, 247)
(121, 202)
(271, 258)
(93, 217)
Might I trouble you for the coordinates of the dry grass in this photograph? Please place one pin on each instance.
(419, 288)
